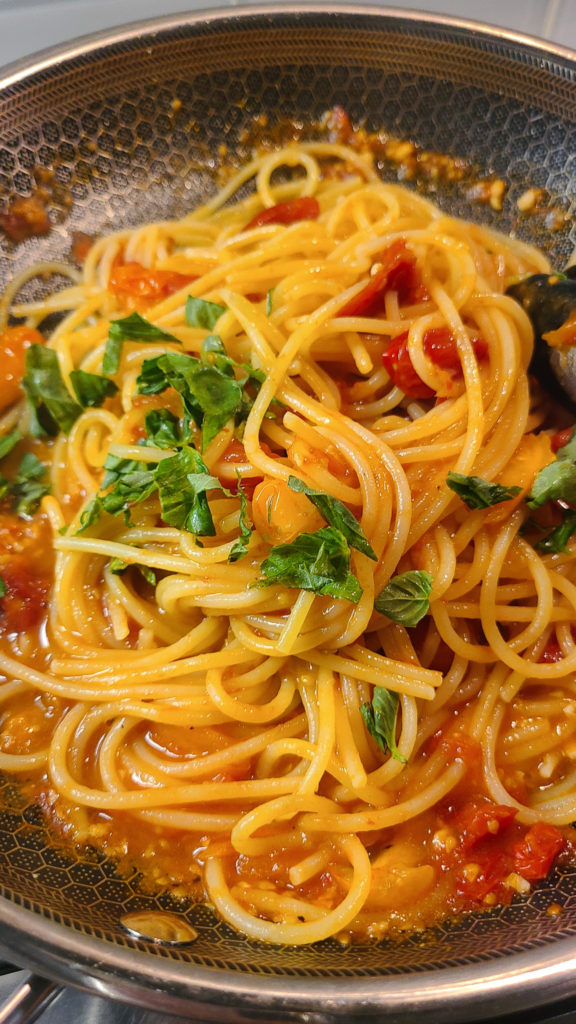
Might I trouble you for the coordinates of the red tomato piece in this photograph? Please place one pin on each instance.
(289, 212)
(439, 345)
(25, 600)
(492, 870)
(14, 342)
(480, 820)
(138, 282)
(397, 271)
(235, 455)
(399, 367)
(552, 652)
(561, 438)
(534, 855)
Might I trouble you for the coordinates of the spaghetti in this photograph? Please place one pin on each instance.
(288, 594)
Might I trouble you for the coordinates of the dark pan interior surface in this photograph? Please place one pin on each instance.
(102, 117)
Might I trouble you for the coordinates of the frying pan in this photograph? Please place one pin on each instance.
(100, 114)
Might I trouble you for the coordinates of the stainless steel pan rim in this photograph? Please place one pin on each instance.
(478, 991)
(14, 72)
(485, 986)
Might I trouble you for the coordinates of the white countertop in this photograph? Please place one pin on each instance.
(30, 25)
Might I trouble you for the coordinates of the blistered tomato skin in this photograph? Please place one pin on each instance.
(139, 286)
(26, 563)
(535, 854)
(281, 514)
(440, 346)
(289, 212)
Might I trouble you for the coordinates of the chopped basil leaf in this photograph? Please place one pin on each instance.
(269, 301)
(3, 588)
(213, 353)
(8, 442)
(201, 313)
(27, 490)
(163, 428)
(241, 546)
(557, 540)
(126, 483)
(406, 597)
(130, 328)
(209, 396)
(478, 493)
(91, 389)
(52, 407)
(319, 562)
(118, 567)
(183, 481)
(380, 719)
(336, 514)
(557, 481)
(91, 514)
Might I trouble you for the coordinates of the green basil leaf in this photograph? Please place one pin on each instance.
(201, 313)
(213, 353)
(568, 451)
(3, 588)
(28, 488)
(183, 481)
(241, 546)
(132, 488)
(52, 407)
(8, 442)
(91, 389)
(91, 514)
(557, 539)
(380, 718)
(269, 301)
(163, 428)
(126, 483)
(478, 493)
(336, 514)
(406, 597)
(130, 328)
(557, 481)
(118, 567)
(209, 396)
(319, 562)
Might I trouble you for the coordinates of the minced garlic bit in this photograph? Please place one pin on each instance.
(554, 910)
(497, 190)
(445, 839)
(529, 199)
(471, 872)
(399, 150)
(547, 765)
(516, 882)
